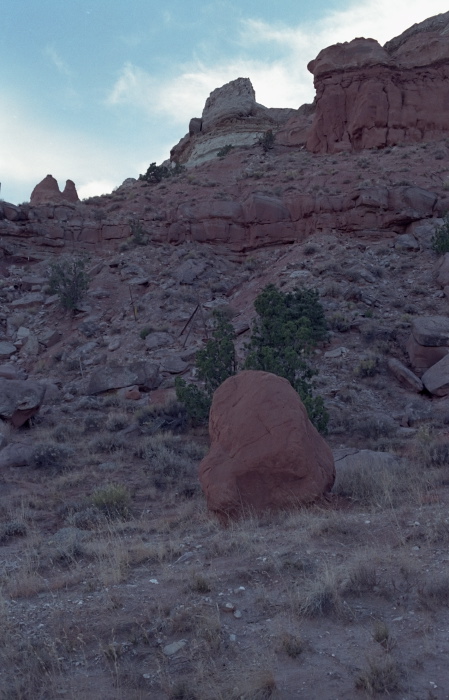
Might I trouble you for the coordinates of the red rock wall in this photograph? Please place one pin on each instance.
(367, 97)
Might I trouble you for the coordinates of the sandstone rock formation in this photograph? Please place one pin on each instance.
(231, 116)
(48, 192)
(369, 96)
(265, 453)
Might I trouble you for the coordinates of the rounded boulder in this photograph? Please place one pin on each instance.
(265, 453)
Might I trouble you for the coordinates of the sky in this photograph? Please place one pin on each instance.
(96, 90)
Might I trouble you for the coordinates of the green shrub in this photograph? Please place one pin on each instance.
(440, 239)
(289, 326)
(69, 280)
(215, 363)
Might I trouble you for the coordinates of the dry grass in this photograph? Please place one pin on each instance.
(381, 676)
(114, 589)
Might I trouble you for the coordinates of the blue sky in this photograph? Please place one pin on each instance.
(95, 90)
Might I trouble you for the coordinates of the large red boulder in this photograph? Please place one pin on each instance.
(265, 453)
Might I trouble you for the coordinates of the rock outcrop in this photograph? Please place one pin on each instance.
(369, 96)
(231, 116)
(48, 192)
(265, 453)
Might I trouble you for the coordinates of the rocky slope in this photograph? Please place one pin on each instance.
(144, 594)
(356, 225)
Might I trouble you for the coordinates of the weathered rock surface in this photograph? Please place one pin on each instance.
(265, 453)
(143, 374)
(19, 400)
(436, 379)
(48, 192)
(369, 96)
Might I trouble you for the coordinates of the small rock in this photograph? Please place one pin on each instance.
(49, 337)
(28, 300)
(337, 352)
(114, 344)
(158, 340)
(6, 349)
(174, 647)
(173, 364)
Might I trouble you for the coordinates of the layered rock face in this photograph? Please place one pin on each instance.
(261, 219)
(48, 192)
(265, 453)
(369, 96)
(231, 116)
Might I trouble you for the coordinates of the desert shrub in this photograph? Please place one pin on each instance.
(93, 422)
(381, 635)
(157, 173)
(368, 367)
(288, 327)
(171, 461)
(267, 140)
(372, 427)
(113, 501)
(108, 443)
(292, 645)
(13, 528)
(69, 280)
(224, 151)
(146, 330)
(49, 455)
(440, 239)
(168, 417)
(139, 237)
(116, 422)
(435, 593)
(382, 486)
(339, 322)
(381, 676)
(321, 597)
(215, 363)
